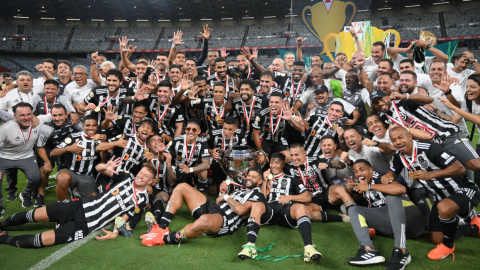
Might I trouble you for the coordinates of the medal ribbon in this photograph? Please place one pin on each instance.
(223, 141)
(215, 107)
(144, 144)
(304, 179)
(279, 176)
(328, 122)
(226, 82)
(276, 125)
(249, 72)
(46, 105)
(108, 99)
(295, 93)
(135, 194)
(395, 108)
(29, 133)
(405, 161)
(248, 117)
(189, 157)
(160, 117)
(158, 76)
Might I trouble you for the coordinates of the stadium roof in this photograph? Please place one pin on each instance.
(195, 10)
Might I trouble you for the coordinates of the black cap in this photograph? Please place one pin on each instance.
(321, 87)
(377, 94)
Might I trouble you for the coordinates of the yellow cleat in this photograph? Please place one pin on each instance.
(248, 251)
(311, 254)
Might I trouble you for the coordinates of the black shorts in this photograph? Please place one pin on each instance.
(281, 215)
(322, 199)
(70, 219)
(467, 200)
(156, 191)
(53, 161)
(216, 173)
(189, 178)
(271, 147)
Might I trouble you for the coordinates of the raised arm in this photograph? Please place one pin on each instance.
(206, 35)
(299, 49)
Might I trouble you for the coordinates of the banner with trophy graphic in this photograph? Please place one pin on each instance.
(327, 18)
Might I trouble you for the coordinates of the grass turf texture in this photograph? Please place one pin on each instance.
(336, 241)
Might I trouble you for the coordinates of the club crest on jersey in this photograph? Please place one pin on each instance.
(422, 161)
(115, 192)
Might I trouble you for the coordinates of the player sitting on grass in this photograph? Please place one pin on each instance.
(80, 217)
(212, 219)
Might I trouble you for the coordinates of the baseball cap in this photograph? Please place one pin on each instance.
(377, 94)
(321, 87)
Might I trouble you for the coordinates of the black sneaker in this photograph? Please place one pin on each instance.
(398, 261)
(12, 196)
(2, 210)
(26, 200)
(39, 201)
(366, 257)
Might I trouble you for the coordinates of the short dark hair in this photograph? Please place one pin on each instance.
(174, 66)
(249, 82)
(364, 161)
(387, 74)
(180, 52)
(115, 72)
(90, 117)
(326, 137)
(193, 121)
(215, 51)
(51, 82)
(162, 54)
(439, 61)
(6, 75)
(21, 105)
(150, 169)
(218, 60)
(299, 63)
(379, 43)
(389, 61)
(411, 73)
(337, 103)
(257, 170)
(165, 83)
(141, 103)
(50, 60)
(66, 63)
(475, 78)
(149, 122)
(276, 94)
(199, 78)
(191, 59)
(59, 106)
(297, 144)
(102, 55)
(220, 84)
(230, 120)
(268, 73)
(277, 155)
(406, 60)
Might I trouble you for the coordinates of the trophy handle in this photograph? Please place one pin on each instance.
(325, 46)
(353, 13)
(220, 160)
(307, 23)
(264, 157)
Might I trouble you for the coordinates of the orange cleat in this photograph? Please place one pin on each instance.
(156, 230)
(476, 221)
(372, 232)
(441, 252)
(153, 239)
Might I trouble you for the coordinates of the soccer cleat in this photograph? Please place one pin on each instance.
(398, 260)
(3, 237)
(124, 227)
(26, 200)
(441, 252)
(150, 220)
(345, 218)
(248, 251)
(39, 201)
(476, 221)
(156, 229)
(12, 196)
(153, 239)
(311, 254)
(366, 257)
(2, 210)
(372, 232)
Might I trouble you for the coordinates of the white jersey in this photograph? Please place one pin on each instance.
(76, 94)
(38, 85)
(423, 70)
(13, 97)
(373, 155)
(16, 143)
(462, 77)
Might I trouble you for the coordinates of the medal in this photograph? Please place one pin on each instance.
(160, 117)
(159, 125)
(276, 125)
(119, 117)
(335, 127)
(248, 127)
(411, 175)
(248, 118)
(146, 150)
(137, 210)
(158, 179)
(96, 137)
(198, 101)
(217, 110)
(217, 117)
(97, 109)
(270, 177)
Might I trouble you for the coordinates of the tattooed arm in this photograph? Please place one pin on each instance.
(337, 164)
(238, 208)
(171, 176)
(205, 165)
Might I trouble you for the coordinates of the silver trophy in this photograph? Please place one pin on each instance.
(238, 160)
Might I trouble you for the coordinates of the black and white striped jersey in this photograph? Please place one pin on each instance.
(132, 156)
(61, 85)
(125, 125)
(266, 97)
(250, 74)
(209, 112)
(285, 185)
(374, 198)
(116, 201)
(39, 107)
(161, 176)
(239, 112)
(188, 154)
(50, 135)
(166, 116)
(322, 109)
(100, 96)
(415, 116)
(355, 98)
(431, 157)
(271, 127)
(319, 127)
(229, 83)
(310, 175)
(215, 139)
(84, 163)
(291, 90)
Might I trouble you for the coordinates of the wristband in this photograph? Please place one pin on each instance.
(377, 143)
(116, 231)
(449, 92)
(370, 187)
(191, 170)
(174, 46)
(225, 197)
(133, 99)
(408, 96)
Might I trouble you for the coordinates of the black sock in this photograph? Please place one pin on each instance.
(25, 241)
(18, 219)
(165, 220)
(158, 208)
(449, 230)
(466, 230)
(327, 217)
(175, 237)
(252, 231)
(305, 228)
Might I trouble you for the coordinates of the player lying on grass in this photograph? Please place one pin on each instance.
(279, 210)
(80, 217)
(219, 219)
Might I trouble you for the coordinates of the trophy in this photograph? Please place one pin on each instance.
(419, 53)
(238, 160)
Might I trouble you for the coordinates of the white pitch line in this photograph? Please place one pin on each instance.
(45, 263)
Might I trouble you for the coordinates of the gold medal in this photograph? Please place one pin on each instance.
(97, 109)
(137, 210)
(159, 125)
(96, 137)
(198, 101)
(270, 177)
(158, 179)
(217, 117)
(146, 150)
(145, 95)
(335, 127)
(411, 175)
(248, 127)
(119, 117)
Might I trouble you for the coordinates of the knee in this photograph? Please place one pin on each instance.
(201, 224)
(63, 178)
(446, 210)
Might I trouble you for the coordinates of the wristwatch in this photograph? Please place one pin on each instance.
(429, 46)
(377, 143)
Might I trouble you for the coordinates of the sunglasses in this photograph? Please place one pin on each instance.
(191, 129)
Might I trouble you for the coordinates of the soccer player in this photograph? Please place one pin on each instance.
(388, 212)
(220, 219)
(48, 68)
(209, 70)
(78, 154)
(243, 69)
(358, 97)
(42, 103)
(337, 170)
(80, 217)
(221, 76)
(18, 138)
(51, 135)
(266, 87)
(191, 155)
(443, 176)
(222, 140)
(127, 124)
(64, 72)
(161, 63)
(284, 207)
(291, 84)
